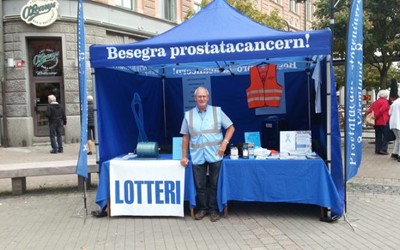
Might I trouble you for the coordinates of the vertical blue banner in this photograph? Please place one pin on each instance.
(354, 85)
(82, 165)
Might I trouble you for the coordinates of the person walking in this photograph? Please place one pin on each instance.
(91, 135)
(381, 113)
(57, 120)
(394, 91)
(202, 134)
(394, 125)
(393, 95)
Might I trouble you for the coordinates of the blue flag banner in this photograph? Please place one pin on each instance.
(82, 165)
(354, 85)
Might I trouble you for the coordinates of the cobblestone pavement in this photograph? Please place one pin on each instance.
(378, 174)
(54, 220)
(51, 216)
(374, 188)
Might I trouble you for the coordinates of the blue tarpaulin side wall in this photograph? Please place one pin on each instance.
(118, 133)
(336, 156)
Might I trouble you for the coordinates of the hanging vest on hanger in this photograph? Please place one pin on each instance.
(264, 90)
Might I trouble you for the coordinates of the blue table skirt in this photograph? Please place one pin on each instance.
(103, 190)
(273, 180)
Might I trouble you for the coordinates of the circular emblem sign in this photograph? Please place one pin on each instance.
(40, 12)
(46, 59)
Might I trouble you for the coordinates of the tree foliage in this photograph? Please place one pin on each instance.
(381, 35)
(247, 7)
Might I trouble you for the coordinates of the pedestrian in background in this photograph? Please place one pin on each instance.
(91, 135)
(394, 91)
(394, 124)
(381, 113)
(57, 120)
(393, 95)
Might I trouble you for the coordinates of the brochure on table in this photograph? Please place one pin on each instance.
(253, 137)
(295, 142)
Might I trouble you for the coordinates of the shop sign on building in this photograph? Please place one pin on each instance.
(41, 13)
(46, 63)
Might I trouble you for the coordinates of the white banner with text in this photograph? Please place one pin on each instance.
(146, 187)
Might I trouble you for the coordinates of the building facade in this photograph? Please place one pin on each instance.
(38, 52)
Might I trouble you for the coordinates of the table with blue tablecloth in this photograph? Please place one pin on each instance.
(103, 191)
(304, 181)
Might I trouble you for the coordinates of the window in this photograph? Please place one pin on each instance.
(278, 1)
(129, 4)
(293, 6)
(168, 9)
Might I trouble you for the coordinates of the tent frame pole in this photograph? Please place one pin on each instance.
(328, 112)
(96, 130)
(164, 110)
(308, 93)
(328, 123)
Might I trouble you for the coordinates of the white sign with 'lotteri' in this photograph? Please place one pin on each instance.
(41, 13)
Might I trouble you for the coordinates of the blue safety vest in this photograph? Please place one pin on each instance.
(205, 134)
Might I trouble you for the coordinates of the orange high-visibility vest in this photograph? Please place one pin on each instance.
(264, 90)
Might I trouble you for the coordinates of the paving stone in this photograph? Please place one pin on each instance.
(51, 216)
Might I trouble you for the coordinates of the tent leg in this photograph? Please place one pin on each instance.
(326, 215)
(347, 220)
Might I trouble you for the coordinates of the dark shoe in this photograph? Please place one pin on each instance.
(200, 215)
(89, 153)
(214, 216)
(99, 214)
(382, 153)
(53, 151)
(60, 150)
(394, 156)
(330, 219)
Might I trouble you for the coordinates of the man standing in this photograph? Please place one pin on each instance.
(57, 120)
(91, 134)
(201, 130)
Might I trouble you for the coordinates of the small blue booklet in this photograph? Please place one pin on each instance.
(253, 137)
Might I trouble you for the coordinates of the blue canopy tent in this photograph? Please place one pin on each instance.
(222, 44)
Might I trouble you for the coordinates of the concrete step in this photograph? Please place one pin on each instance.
(40, 141)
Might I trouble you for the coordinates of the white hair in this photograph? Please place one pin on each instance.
(195, 92)
(52, 98)
(383, 93)
(90, 99)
